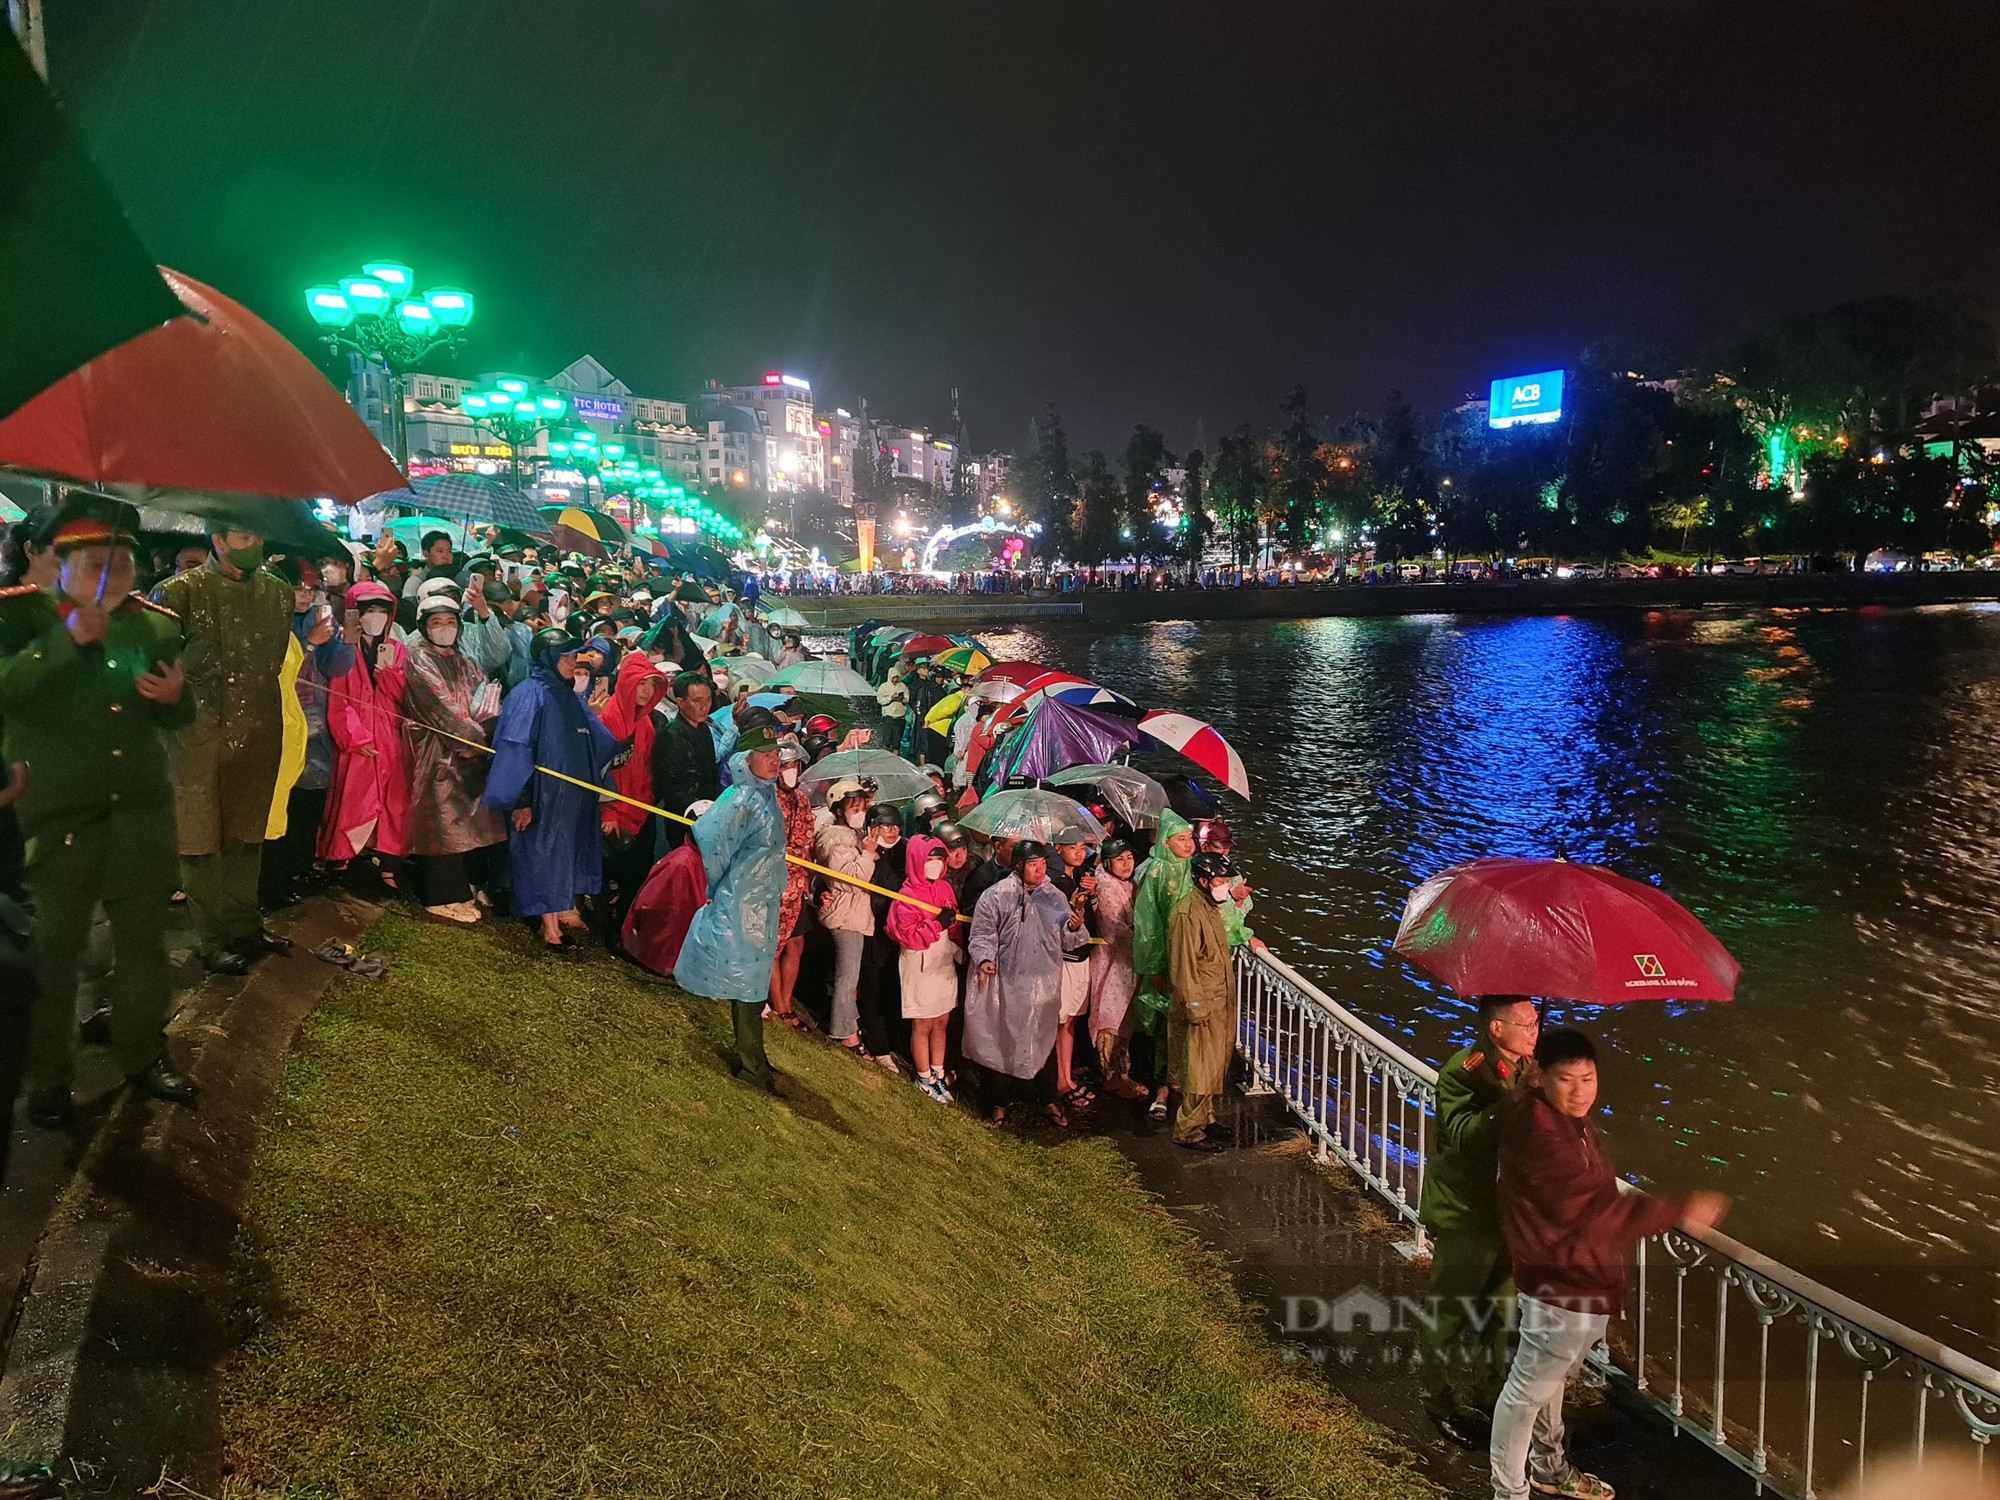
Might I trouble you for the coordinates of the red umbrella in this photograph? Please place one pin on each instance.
(1012, 671)
(1560, 931)
(925, 645)
(1032, 691)
(1200, 743)
(219, 402)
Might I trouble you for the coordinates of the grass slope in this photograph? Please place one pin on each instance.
(515, 1231)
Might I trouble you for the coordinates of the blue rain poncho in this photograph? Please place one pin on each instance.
(733, 939)
(560, 854)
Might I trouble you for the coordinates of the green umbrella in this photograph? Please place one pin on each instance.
(74, 279)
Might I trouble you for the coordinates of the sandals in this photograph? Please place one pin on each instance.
(1079, 1098)
(997, 1120)
(1055, 1116)
(1573, 1484)
(1157, 1110)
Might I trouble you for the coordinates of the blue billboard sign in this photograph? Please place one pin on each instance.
(1525, 400)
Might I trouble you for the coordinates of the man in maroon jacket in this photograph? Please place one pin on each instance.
(1570, 1230)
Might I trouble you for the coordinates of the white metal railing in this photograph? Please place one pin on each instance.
(1786, 1378)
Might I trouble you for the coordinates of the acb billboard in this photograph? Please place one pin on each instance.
(1526, 400)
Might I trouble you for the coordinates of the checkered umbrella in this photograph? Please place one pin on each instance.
(474, 497)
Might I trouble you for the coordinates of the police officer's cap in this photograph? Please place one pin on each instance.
(92, 521)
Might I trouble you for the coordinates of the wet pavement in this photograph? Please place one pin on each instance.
(1326, 1265)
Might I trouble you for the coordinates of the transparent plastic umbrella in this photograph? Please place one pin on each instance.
(1029, 813)
(896, 780)
(1137, 798)
(746, 668)
(825, 677)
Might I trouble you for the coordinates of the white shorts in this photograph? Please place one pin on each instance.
(1075, 990)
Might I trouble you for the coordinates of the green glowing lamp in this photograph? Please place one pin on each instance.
(451, 305)
(329, 306)
(512, 387)
(474, 403)
(415, 318)
(554, 405)
(393, 274)
(614, 451)
(368, 297)
(558, 448)
(525, 410)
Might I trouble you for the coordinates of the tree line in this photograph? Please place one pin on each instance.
(1796, 435)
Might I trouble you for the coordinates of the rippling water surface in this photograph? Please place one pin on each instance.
(1818, 786)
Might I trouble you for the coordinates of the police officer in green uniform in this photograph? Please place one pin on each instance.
(1463, 1346)
(236, 620)
(87, 694)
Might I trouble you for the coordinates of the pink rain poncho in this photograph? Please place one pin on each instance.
(928, 964)
(368, 806)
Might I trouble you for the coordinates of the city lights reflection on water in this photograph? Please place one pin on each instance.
(1818, 786)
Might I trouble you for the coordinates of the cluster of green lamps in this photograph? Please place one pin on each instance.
(510, 398)
(384, 295)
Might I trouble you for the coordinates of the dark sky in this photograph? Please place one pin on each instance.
(1158, 212)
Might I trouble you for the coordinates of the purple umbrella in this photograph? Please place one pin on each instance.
(1057, 735)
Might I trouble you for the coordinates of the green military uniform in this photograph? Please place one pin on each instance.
(1472, 1288)
(236, 630)
(98, 814)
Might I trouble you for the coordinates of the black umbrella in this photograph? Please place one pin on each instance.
(74, 279)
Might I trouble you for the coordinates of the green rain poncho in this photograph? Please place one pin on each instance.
(1166, 878)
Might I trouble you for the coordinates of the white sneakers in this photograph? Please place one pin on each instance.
(465, 913)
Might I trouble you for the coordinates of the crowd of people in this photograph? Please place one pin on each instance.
(488, 730)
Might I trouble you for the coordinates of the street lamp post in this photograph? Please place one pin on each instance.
(378, 316)
(514, 414)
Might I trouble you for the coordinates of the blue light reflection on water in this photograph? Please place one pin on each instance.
(1817, 786)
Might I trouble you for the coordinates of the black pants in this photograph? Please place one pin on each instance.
(288, 861)
(627, 863)
(1004, 1091)
(878, 999)
(448, 878)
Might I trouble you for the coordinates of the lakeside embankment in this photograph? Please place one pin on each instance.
(1550, 596)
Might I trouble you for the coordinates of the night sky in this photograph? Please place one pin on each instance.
(1155, 212)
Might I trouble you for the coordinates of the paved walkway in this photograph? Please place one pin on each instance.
(1315, 1253)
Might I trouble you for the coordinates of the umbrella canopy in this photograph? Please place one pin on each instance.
(966, 659)
(1014, 671)
(785, 619)
(746, 668)
(474, 497)
(1201, 744)
(1560, 931)
(1033, 691)
(286, 525)
(1056, 735)
(575, 529)
(925, 645)
(1082, 695)
(717, 618)
(1030, 812)
(690, 592)
(825, 677)
(217, 404)
(410, 530)
(999, 690)
(78, 282)
(1190, 798)
(896, 780)
(1136, 797)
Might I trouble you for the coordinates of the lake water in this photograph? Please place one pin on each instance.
(1818, 786)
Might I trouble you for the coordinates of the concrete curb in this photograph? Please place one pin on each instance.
(111, 1375)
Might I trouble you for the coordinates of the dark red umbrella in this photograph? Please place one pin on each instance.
(1013, 671)
(1560, 931)
(926, 645)
(219, 403)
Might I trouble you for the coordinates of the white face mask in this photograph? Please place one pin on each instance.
(933, 869)
(443, 635)
(858, 819)
(722, 682)
(374, 621)
(789, 775)
(1219, 894)
(580, 684)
